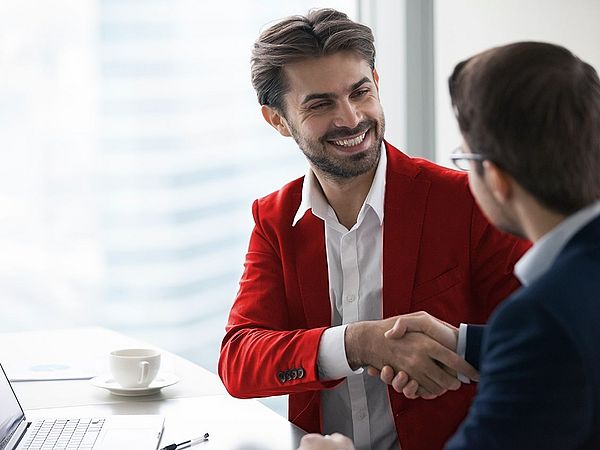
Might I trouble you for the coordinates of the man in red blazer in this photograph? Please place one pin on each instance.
(335, 257)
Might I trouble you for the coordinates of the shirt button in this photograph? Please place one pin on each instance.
(350, 298)
(362, 415)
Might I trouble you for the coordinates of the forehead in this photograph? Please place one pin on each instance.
(326, 74)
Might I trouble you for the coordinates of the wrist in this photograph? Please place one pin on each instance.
(352, 342)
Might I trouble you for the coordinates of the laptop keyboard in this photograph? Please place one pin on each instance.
(67, 434)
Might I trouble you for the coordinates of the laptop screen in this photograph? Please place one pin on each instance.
(11, 413)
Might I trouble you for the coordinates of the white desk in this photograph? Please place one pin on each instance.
(194, 406)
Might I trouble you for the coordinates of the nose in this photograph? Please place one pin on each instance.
(347, 114)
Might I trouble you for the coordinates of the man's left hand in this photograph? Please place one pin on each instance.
(318, 442)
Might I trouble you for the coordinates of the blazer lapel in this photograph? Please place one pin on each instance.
(404, 212)
(311, 266)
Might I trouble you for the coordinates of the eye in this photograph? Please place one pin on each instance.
(319, 105)
(360, 93)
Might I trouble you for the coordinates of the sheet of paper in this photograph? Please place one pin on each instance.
(55, 370)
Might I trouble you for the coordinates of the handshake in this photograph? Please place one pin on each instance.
(414, 353)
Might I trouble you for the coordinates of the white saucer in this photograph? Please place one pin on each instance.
(161, 381)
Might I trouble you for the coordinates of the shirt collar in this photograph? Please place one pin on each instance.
(313, 198)
(538, 259)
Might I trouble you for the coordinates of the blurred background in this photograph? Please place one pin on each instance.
(132, 145)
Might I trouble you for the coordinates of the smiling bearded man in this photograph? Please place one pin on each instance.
(369, 234)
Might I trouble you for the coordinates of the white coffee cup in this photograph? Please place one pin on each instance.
(134, 367)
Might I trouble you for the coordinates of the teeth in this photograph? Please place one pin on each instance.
(351, 142)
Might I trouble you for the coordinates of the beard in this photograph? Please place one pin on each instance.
(343, 167)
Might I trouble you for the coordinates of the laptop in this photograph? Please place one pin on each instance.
(113, 432)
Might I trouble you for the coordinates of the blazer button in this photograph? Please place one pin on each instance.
(281, 376)
(294, 374)
(300, 372)
(288, 376)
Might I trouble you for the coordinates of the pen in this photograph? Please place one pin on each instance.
(186, 443)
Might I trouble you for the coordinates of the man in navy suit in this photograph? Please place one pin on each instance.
(529, 114)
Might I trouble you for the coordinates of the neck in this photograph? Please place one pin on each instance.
(346, 197)
(536, 220)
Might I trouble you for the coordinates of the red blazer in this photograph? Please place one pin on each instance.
(440, 255)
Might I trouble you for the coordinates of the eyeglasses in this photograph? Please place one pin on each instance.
(461, 159)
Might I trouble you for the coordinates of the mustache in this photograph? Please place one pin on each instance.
(344, 132)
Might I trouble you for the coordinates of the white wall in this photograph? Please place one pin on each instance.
(465, 27)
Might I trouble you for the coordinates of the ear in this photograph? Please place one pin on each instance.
(376, 79)
(276, 120)
(499, 182)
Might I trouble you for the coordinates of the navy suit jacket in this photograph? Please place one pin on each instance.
(540, 362)
(473, 347)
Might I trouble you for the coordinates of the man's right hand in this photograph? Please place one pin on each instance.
(429, 364)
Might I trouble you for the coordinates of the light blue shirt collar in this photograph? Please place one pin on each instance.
(541, 256)
(313, 198)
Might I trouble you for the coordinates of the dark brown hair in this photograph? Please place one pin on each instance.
(534, 110)
(321, 32)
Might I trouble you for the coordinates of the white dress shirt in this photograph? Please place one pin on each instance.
(359, 407)
(538, 259)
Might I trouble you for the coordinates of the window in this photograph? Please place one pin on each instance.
(132, 148)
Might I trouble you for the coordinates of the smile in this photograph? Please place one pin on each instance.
(351, 142)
